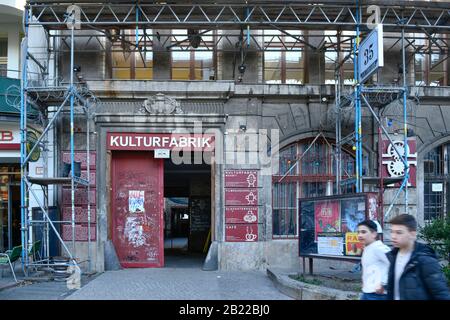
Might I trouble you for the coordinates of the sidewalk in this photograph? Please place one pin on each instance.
(7, 279)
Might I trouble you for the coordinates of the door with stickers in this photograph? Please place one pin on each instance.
(137, 209)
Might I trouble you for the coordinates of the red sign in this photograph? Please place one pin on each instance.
(81, 196)
(241, 178)
(81, 232)
(352, 245)
(328, 218)
(241, 232)
(6, 136)
(81, 157)
(152, 141)
(392, 164)
(9, 140)
(241, 214)
(241, 197)
(81, 214)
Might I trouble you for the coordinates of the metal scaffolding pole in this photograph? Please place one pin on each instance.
(23, 146)
(40, 93)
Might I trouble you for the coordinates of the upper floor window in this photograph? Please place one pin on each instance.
(283, 57)
(430, 69)
(129, 63)
(3, 57)
(334, 57)
(196, 60)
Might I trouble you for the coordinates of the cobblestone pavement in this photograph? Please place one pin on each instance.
(36, 291)
(179, 284)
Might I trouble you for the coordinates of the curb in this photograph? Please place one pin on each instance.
(304, 291)
(11, 285)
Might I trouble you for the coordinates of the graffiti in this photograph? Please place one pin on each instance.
(152, 254)
(134, 232)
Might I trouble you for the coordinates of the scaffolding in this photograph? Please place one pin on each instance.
(240, 26)
(52, 99)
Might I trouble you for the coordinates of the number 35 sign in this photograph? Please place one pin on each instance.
(370, 54)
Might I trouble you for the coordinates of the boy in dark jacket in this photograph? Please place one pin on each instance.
(414, 272)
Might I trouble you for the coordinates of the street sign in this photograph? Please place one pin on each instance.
(370, 56)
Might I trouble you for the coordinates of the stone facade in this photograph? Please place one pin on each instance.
(297, 111)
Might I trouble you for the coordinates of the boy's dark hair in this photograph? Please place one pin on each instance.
(406, 220)
(369, 224)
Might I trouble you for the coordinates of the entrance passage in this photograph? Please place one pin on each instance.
(137, 209)
(187, 212)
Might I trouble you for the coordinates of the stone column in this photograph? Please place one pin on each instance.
(161, 56)
(314, 60)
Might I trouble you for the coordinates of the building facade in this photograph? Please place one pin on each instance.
(248, 131)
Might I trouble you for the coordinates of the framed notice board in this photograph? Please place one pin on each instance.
(328, 225)
(200, 222)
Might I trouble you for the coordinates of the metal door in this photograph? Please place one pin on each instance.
(137, 209)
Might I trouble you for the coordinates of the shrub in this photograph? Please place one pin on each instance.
(437, 235)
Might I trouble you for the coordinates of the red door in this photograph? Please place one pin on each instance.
(137, 209)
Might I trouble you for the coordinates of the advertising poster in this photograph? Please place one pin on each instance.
(352, 245)
(330, 245)
(327, 217)
(353, 212)
(136, 201)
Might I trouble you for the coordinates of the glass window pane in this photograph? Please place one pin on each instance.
(294, 76)
(121, 73)
(272, 75)
(144, 73)
(180, 73)
(295, 34)
(3, 47)
(294, 59)
(121, 59)
(271, 36)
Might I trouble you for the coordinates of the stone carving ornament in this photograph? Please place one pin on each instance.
(161, 104)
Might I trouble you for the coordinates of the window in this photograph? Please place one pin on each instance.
(419, 69)
(333, 57)
(310, 177)
(436, 182)
(195, 64)
(437, 70)
(283, 57)
(126, 62)
(430, 69)
(3, 57)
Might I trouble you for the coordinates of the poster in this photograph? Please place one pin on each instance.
(330, 245)
(353, 212)
(136, 201)
(372, 200)
(327, 217)
(353, 247)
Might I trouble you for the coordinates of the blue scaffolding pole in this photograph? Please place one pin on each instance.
(359, 91)
(23, 146)
(358, 129)
(70, 93)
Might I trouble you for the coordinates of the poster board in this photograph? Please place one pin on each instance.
(200, 222)
(328, 225)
